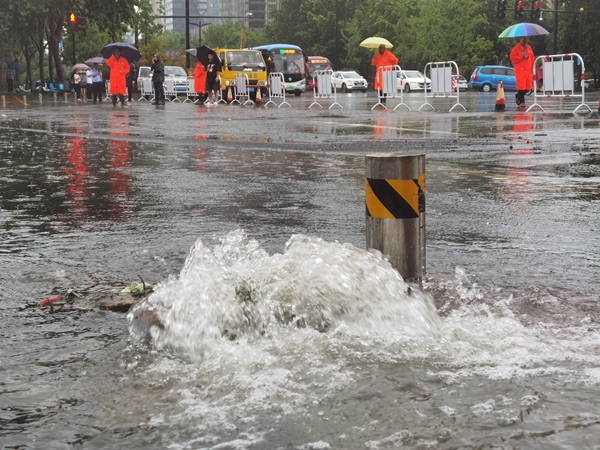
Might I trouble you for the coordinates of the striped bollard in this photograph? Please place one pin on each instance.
(395, 209)
(55, 97)
(3, 101)
(40, 98)
(24, 100)
(66, 97)
(75, 97)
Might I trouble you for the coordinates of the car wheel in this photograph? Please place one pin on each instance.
(344, 88)
(486, 87)
(407, 88)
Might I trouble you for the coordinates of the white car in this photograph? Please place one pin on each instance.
(462, 82)
(412, 80)
(349, 81)
(180, 76)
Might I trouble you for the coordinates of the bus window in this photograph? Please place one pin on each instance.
(314, 63)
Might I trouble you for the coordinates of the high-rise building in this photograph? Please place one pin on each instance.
(177, 8)
(254, 13)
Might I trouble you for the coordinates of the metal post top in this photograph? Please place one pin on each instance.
(393, 155)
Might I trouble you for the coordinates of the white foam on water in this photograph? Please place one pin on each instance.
(237, 291)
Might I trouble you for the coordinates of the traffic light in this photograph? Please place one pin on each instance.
(73, 22)
(501, 9)
(80, 22)
(519, 5)
(536, 11)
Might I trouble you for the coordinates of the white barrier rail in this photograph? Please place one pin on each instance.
(390, 77)
(277, 89)
(146, 90)
(444, 83)
(325, 88)
(558, 74)
(171, 89)
(190, 90)
(240, 85)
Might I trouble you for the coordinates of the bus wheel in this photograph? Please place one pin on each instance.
(297, 92)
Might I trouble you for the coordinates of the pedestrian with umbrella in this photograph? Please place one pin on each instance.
(523, 60)
(522, 56)
(158, 78)
(119, 55)
(119, 68)
(210, 60)
(383, 58)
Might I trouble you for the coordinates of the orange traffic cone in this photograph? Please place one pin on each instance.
(229, 94)
(258, 95)
(500, 103)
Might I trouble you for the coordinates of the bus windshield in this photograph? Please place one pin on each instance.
(289, 63)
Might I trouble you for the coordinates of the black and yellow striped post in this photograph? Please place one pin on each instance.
(395, 207)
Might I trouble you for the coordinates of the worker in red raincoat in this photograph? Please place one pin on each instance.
(382, 58)
(119, 67)
(200, 82)
(523, 61)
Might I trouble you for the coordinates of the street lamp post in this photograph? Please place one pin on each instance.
(200, 25)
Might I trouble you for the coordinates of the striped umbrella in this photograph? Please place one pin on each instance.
(523, 29)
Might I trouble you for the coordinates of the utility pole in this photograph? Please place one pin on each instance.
(555, 25)
(187, 33)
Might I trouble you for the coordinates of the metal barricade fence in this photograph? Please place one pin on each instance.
(277, 89)
(190, 90)
(442, 83)
(240, 85)
(146, 90)
(390, 77)
(325, 88)
(558, 75)
(171, 89)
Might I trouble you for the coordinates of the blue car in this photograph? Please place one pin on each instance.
(486, 78)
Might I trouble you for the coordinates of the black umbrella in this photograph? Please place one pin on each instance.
(128, 51)
(192, 51)
(202, 54)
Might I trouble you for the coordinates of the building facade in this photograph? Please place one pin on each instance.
(254, 13)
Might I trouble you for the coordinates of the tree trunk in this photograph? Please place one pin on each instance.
(39, 44)
(53, 39)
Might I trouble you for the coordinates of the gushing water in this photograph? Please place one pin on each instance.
(237, 292)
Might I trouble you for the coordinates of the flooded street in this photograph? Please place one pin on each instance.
(272, 327)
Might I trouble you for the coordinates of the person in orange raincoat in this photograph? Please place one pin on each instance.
(119, 67)
(200, 82)
(523, 60)
(382, 58)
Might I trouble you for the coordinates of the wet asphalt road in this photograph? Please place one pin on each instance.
(91, 197)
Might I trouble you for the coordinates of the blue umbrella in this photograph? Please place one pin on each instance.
(523, 29)
(128, 51)
(14, 65)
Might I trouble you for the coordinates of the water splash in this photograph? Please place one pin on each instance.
(237, 291)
